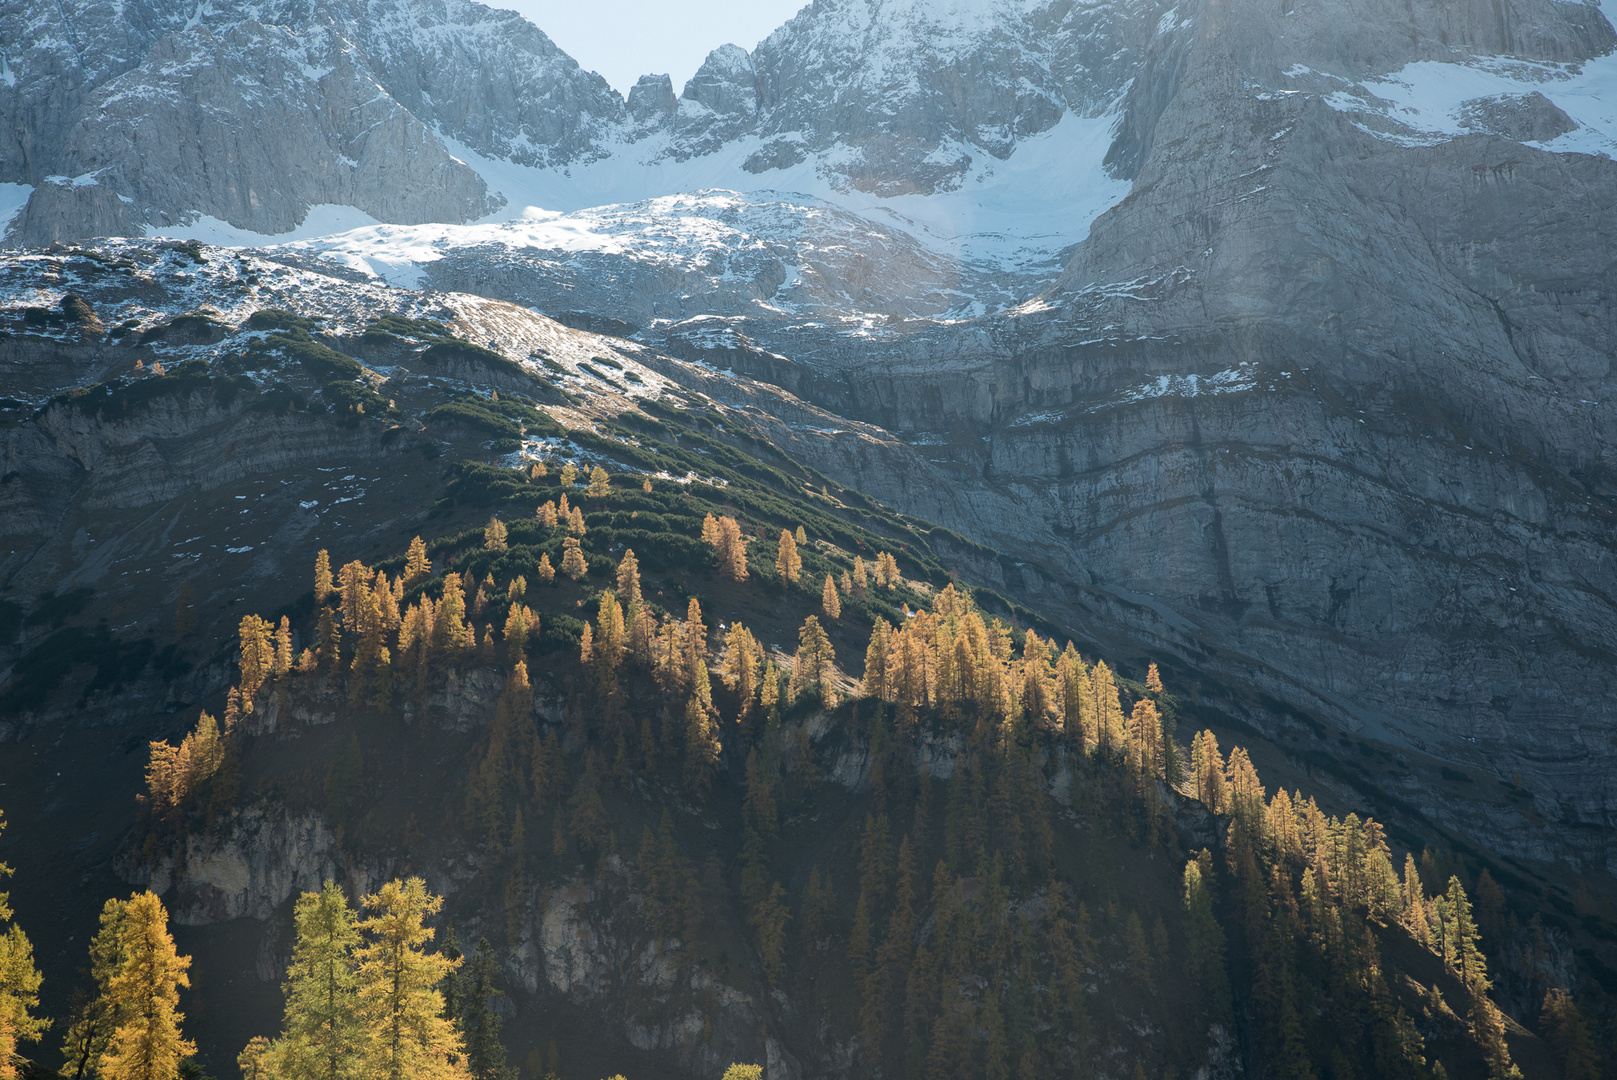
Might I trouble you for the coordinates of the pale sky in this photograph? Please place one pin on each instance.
(625, 39)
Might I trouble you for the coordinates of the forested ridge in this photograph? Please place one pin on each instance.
(965, 847)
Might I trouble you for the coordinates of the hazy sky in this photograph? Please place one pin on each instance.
(625, 39)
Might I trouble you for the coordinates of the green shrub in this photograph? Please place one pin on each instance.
(464, 352)
(276, 319)
(466, 414)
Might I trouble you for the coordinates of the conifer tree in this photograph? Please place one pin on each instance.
(1567, 1032)
(1205, 960)
(586, 813)
(710, 531)
(702, 747)
(600, 482)
(19, 985)
(520, 624)
(97, 1015)
(575, 522)
(546, 572)
(147, 1044)
(450, 634)
(876, 684)
(485, 1053)
(257, 657)
(323, 1037)
(283, 647)
(416, 564)
(788, 564)
(629, 582)
(769, 921)
(548, 517)
(538, 471)
(572, 561)
(829, 603)
(731, 547)
(328, 640)
(1153, 681)
(398, 999)
(354, 584)
(322, 577)
(569, 475)
(814, 662)
(494, 535)
(860, 577)
(743, 658)
(253, 1060)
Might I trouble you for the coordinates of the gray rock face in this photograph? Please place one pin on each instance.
(253, 113)
(1518, 117)
(252, 126)
(1332, 399)
(651, 100)
(912, 89)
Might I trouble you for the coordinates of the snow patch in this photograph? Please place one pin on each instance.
(1425, 99)
(322, 219)
(13, 197)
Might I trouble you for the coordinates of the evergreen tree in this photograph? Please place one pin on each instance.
(485, 1053)
(1567, 1032)
(324, 1037)
(147, 1044)
(1205, 960)
(398, 999)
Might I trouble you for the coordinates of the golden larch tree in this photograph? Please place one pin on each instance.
(257, 656)
(572, 559)
(830, 604)
(788, 563)
(398, 996)
(494, 535)
(416, 564)
(629, 581)
(322, 576)
(147, 1044)
(19, 986)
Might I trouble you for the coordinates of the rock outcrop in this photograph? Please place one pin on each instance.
(245, 868)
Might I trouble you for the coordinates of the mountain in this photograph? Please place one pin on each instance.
(1268, 340)
(1336, 359)
(677, 864)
